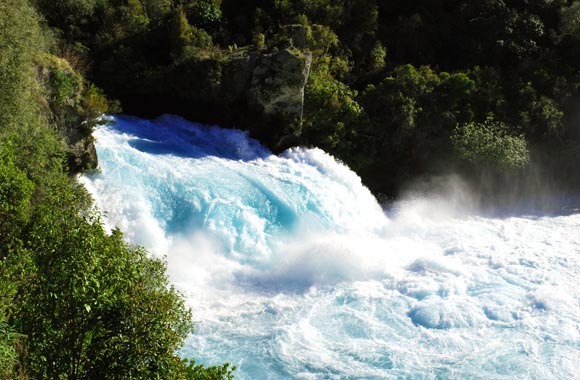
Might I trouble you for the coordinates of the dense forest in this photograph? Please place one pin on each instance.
(396, 89)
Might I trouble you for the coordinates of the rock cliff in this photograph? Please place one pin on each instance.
(255, 88)
(72, 106)
(244, 88)
(276, 93)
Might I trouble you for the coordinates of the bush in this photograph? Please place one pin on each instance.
(95, 308)
(8, 354)
(15, 193)
(489, 144)
(331, 111)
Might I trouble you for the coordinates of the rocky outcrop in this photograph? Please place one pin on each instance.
(81, 152)
(297, 35)
(259, 90)
(276, 93)
(72, 105)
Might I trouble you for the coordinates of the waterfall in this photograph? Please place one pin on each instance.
(294, 271)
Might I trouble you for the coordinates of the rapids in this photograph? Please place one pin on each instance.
(294, 271)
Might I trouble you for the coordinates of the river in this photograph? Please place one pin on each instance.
(293, 270)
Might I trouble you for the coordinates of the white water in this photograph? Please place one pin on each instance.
(293, 271)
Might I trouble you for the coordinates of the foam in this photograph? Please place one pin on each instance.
(293, 270)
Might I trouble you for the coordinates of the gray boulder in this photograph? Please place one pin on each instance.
(276, 91)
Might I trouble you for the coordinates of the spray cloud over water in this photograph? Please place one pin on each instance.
(293, 270)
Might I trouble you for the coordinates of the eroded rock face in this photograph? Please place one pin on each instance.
(262, 92)
(277, 89)
(81, 151)
(297, 35)
(66, 93)
(246, 88)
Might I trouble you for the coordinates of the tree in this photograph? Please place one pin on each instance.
(489, 144)
(332, 113)
(69, 15)
(20, 40)
(96, 308)
(183, 35)
(15, 195)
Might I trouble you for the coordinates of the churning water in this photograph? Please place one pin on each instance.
(294, 271)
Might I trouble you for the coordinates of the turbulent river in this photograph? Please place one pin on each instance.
(294, 271)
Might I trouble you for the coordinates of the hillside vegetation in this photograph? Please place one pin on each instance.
(489, 89)
(396, 89)
(75, 301)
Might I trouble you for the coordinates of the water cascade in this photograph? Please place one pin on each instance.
(294, 271)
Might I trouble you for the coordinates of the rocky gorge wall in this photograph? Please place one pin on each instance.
(262, 92)
(72, 106)
(248, 88)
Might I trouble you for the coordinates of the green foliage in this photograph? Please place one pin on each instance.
(377, 56)
(321, 39)
(75, 302)
(95, 102)
(259, 41)
(417, 108)
(331, 111)
(203, 13)
(95, 307)
(9, 339)
(183, 35)
(69, 15)
(20, 40)
(15, 195)
(489, 144)
(192, 371)
(74, 103)
(358, 29)
(64, 84)
(570, 19)
(548, 118)
(21, 119)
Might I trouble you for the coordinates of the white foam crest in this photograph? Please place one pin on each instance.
(351, 204)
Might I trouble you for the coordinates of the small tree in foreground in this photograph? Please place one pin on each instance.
(96, 307)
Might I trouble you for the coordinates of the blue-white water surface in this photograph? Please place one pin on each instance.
(294, 271)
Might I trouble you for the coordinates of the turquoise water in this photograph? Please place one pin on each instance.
(294, 271)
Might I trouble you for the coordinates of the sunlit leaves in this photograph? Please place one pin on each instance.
(489, 143)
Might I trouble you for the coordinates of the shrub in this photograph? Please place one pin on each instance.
(489, 144)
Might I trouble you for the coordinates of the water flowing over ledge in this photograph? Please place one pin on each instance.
(294, 271)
